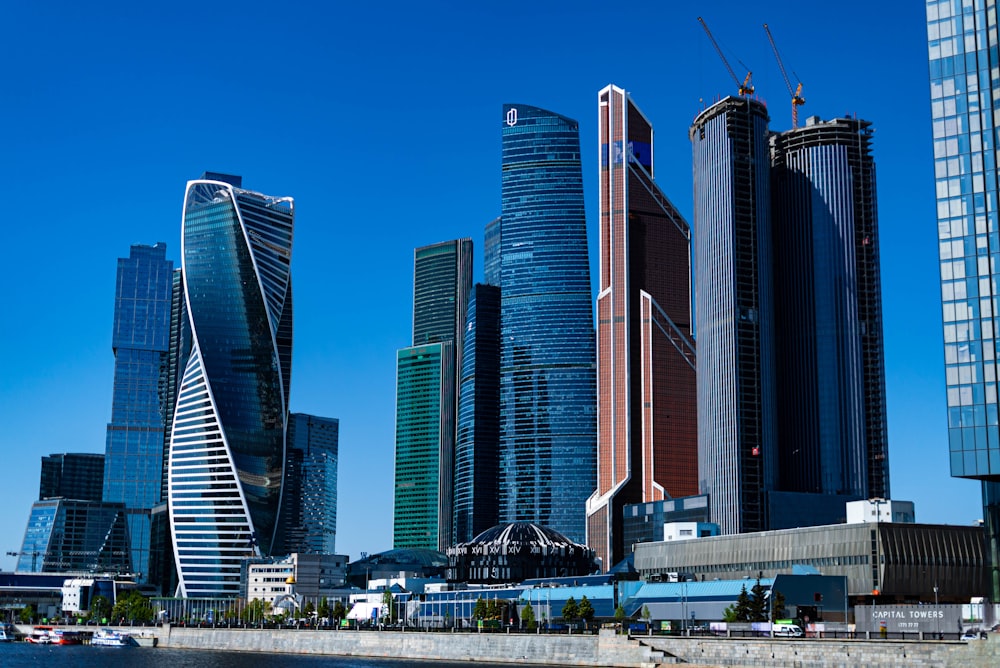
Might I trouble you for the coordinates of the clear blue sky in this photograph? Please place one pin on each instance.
(383, 122)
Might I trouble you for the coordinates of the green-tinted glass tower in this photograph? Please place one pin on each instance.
(427, 397)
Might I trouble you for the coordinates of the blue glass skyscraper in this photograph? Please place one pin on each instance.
(548, 425)
(734, 312)
(478, 440)
(828, 317)
(963, 40)
(133, 472)
(309, 500)
(227, 445)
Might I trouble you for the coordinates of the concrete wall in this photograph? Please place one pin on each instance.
(605, 649)
(830, 653)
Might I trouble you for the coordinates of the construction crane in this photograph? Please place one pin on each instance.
(797, 99)
(745, 88)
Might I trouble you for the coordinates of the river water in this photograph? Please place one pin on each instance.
(18, 654)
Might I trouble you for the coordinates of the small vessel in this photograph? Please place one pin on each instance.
(47, 635)
(40, 635)
(7, 632)
(61, 637)
(111, 638)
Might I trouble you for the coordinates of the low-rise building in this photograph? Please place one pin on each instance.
(297, 579)
(890, 562)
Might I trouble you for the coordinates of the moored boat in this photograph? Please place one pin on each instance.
(40, 635)
(111, 638)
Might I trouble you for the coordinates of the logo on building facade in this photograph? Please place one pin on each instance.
(512, 116)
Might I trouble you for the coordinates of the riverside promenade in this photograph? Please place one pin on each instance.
(606, 649)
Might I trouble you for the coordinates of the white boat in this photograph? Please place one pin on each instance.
(111, 638)
(41, 635)
(7, 632)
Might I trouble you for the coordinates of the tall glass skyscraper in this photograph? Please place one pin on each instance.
(478, 441)
(547, 369)
(227, 445)
(963, 40)
(309, 499)
(133, 473)
(736, 394)
(427, 396)
(425, 446)
(828, 314)
(647, 446)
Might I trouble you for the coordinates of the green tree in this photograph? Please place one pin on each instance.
(479, 610)
(646, 616)
(100, 608)
(778, 610)
(253, 613)
(387, 604)
(586, 610)
(338, 612)
(620, 614)
(324, 608)
(27, 614)
(308, 610)
(743, 606)
(758, 603)
(729, 614)
(571, 611)
(132, 607)
(493, 610)
(528, 617)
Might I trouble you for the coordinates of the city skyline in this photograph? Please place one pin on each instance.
(125, 122)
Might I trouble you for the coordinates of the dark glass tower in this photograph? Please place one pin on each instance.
(547, 370)
(828, 312)
(227, 446)
(309, 499)
(134, 472)
(477, 445)
(963, 40)
(72, 476)
(427, 398)
(647, 447)
(732, 226)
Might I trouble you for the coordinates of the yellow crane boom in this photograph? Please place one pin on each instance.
(797, 99)
(745, 88)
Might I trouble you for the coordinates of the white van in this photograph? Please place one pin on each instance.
(788, 630)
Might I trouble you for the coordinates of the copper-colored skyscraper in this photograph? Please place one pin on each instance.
(647, 437)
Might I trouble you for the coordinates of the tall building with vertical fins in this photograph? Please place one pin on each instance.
(828, 318)
(963, 39)
(134, 468)
(547, 361)
(647, 445)
(478, 441)
(734, 310)
(227, 446)
(427, 396)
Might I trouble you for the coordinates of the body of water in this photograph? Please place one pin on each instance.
(18, 654)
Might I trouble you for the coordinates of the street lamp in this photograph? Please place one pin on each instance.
(937, 611)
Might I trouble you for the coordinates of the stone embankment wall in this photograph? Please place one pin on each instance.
(605, 649)
(830, 653)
